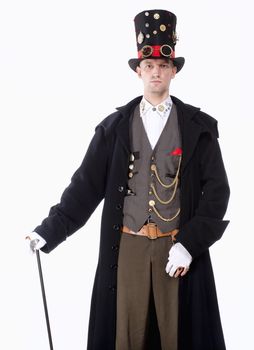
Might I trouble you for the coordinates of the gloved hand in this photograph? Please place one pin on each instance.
(179, 260)
(36, 242)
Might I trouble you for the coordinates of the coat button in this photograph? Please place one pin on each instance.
(115, 247)
(112, 288)
(120, 188)
(116, 227)
(119, 206)
(114, 266)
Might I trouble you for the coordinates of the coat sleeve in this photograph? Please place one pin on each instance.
(207, 224)
(80, 198)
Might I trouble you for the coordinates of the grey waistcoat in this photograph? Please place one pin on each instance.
(140, 202)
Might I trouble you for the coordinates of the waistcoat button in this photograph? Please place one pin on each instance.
(132, 158)
(120, 188)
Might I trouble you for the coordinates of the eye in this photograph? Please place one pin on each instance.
(148, 66)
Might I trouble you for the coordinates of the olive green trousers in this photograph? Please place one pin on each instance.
(141, 270)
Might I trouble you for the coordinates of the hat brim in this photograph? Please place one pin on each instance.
(178, 63)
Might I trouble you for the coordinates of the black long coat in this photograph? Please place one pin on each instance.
(204, 198)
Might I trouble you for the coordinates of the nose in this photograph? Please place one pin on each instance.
(156, 71)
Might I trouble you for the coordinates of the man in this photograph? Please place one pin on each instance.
(157, 164)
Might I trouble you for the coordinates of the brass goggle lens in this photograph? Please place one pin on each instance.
(166, 50)
(147, 51)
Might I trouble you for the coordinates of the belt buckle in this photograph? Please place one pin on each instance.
(152, 231)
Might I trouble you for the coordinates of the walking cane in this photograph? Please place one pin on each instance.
(44, 298)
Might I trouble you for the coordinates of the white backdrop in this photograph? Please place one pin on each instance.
(63, 68)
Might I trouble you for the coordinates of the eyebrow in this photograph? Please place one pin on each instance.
(149, 61)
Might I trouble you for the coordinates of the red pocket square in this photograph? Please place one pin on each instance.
(177, 152)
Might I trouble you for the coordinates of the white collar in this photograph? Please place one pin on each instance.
(162, 109)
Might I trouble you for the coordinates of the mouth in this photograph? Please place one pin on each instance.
(155, 81)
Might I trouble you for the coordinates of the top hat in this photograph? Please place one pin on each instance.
(156, 37)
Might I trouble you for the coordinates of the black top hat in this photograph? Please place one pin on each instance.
(156, 37)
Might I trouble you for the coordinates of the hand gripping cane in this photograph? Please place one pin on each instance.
(43, 293)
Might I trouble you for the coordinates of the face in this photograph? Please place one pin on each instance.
(156, 75)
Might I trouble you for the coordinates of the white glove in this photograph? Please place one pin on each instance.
(179, 259)
(36, 242)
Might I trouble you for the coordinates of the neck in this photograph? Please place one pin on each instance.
(155, 99)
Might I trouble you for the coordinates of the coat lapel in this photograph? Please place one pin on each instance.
(122, 131)
(123, 128)
(190, 130)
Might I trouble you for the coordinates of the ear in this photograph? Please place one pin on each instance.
(138, 70)
(174, 71)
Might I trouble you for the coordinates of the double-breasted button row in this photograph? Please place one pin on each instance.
(114, 266)
(120, 188)
(112, 288)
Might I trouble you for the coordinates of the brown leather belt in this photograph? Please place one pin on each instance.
(151, 231)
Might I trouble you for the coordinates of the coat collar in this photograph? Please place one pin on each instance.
(189, 127)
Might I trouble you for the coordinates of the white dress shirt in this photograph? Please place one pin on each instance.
(155, 118)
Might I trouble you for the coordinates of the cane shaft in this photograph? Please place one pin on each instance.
(44, 299)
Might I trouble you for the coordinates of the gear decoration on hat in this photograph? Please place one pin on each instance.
(163, 27)
(175, 37)
(141, 37)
